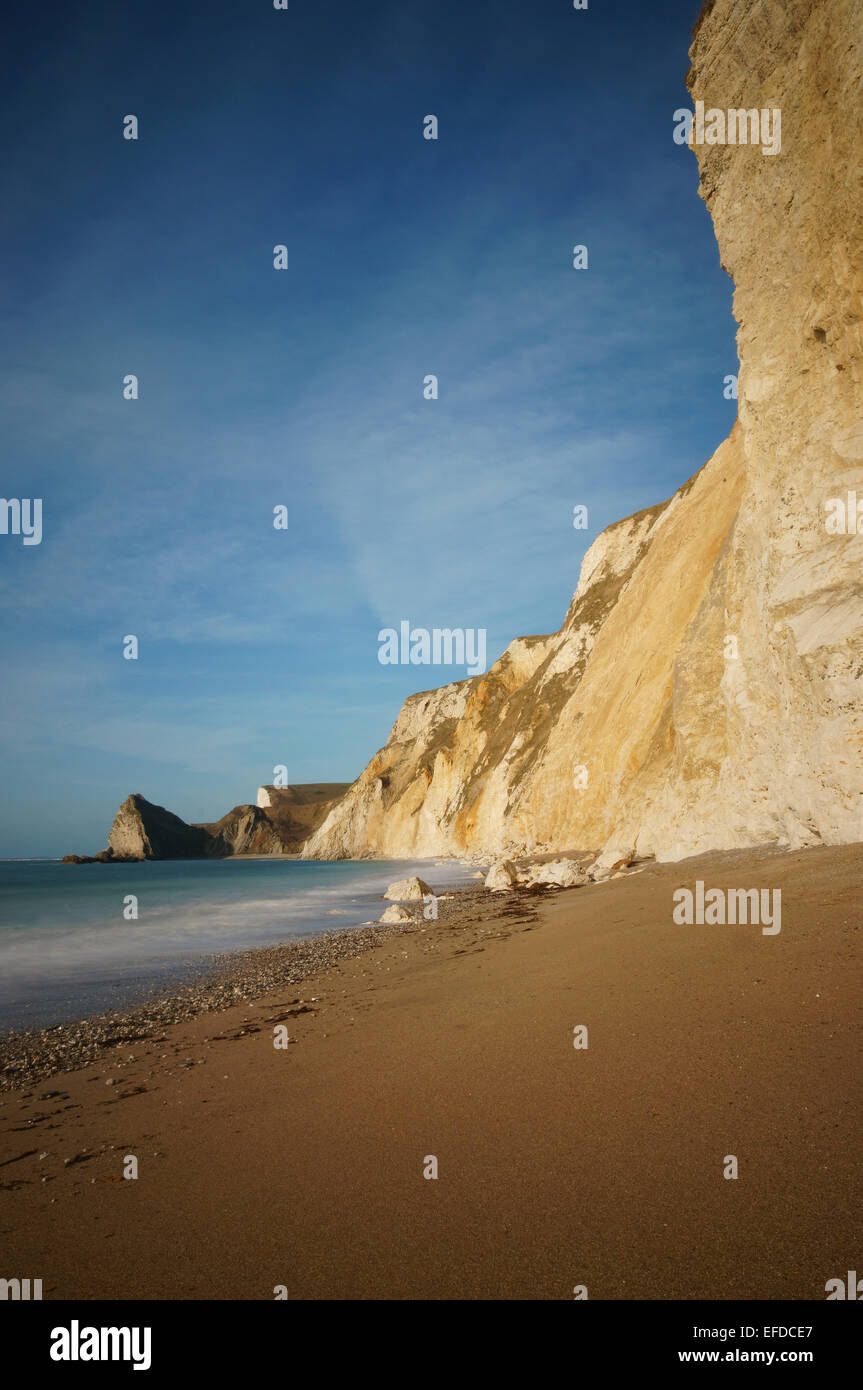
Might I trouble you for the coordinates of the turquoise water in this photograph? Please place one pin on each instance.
(66, 949)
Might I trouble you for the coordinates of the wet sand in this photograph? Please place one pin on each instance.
(557, 1167)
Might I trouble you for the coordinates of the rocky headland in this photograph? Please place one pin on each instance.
(277, 825)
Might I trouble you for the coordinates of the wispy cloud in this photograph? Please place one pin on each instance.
(407, 258)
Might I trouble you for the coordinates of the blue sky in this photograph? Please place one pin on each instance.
(305, 387)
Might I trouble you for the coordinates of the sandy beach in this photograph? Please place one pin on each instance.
(557, 1166)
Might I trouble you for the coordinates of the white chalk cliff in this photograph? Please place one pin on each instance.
(636, 724)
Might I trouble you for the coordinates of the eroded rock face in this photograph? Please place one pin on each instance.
(637, 723)
(142, 830)
(458, 759)
(292, 814)
(790, 230)
(245, 830)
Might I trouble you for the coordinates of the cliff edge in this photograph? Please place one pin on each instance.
(704, 691)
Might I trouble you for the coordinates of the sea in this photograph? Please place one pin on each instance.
(70, 946)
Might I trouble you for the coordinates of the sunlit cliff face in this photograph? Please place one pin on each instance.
(706, 689)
